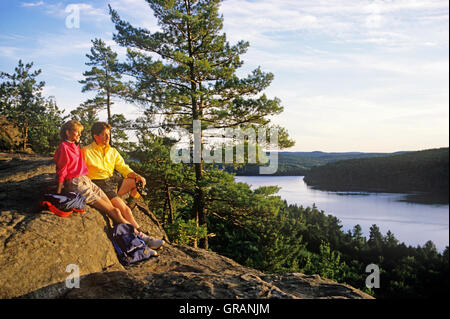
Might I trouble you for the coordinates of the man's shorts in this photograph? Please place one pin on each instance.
(109, 185)
(84, 186)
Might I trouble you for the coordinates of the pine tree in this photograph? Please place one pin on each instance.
(194, 77)
(44, 137)
(375, 241)
(104, 76)
(21, 99)
(357, 237)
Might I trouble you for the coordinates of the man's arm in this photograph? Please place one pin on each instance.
(125, 170)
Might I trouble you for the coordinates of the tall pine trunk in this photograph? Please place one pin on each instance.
(200, 215)
(108, 107)
(169, 203)
(198, 209)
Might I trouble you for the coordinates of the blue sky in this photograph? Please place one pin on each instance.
(352, 75)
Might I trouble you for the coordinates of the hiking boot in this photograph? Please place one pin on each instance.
(151, 242)
(153, 253)
(154, 243)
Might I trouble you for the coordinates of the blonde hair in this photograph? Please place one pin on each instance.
(72, 124)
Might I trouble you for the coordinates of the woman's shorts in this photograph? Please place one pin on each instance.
(84, 186)
(109, 185)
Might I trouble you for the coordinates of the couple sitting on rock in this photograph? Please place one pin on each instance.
(90, 172)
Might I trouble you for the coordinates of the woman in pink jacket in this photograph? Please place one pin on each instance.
(72, 171)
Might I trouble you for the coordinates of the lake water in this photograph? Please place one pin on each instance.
(411, 223)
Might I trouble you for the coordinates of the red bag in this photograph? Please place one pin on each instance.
(64, 205)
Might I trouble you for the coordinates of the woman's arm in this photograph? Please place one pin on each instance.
(59, 188)
(61, 161)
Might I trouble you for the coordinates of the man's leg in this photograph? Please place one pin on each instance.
(128, 186)
(124, 210)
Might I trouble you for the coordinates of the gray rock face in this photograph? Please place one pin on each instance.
(36, 248)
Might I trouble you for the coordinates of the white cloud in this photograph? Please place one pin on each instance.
(32, 4)
(340, 7)
(137, 12)
(334, 122)
(9, 52)
(49, 90)
(366, 64)
(410, 23)
(13, 37)
(64, 44)
(65, 73)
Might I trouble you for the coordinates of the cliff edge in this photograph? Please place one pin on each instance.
(37, 248)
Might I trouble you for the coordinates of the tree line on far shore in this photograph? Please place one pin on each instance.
(420, 171)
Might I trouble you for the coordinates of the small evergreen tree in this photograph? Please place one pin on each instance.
(44, 137)
(376, 240)
(21, 99)
(104, 76)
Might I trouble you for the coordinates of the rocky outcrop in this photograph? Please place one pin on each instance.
(36, 248)
(10, 136)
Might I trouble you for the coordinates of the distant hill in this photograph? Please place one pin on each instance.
(299, 163)
(335, 155)
(420, 171)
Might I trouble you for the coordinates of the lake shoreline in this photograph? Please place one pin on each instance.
(411, 196)
(411, 219)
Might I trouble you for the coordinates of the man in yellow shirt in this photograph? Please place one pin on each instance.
(101, 160)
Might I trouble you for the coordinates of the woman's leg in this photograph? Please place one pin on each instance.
(105, 205)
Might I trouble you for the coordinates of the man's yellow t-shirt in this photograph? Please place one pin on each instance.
(101, 161)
